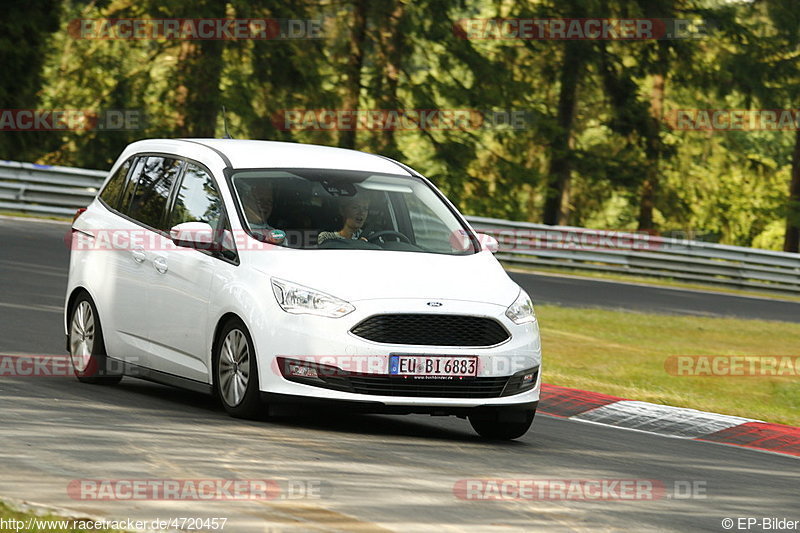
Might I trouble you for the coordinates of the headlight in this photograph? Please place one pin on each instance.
(297, 299)
(521, 311)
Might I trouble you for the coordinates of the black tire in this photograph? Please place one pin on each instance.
(238, 401)
(500, 425)
(87, 347)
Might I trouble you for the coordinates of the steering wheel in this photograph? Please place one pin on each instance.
(377, 235)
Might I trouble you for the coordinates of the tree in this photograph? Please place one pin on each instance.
(592, 149)
(262, 79)
(196, 89)
(355, 63)
(390, 51)
(772, 50)
(192, 92)
(556, 211)
(25, 30)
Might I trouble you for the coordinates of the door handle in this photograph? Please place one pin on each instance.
(138, 254)
(160, 264)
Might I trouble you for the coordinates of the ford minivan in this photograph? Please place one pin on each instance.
(273, 274)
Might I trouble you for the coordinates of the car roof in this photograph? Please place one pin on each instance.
(241, 153)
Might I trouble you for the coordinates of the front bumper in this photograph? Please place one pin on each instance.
(329, 341)
(281, 404)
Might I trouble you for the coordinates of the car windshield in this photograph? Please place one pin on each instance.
(343, 210)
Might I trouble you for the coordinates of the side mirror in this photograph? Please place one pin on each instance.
(488, 242)
(199, 235)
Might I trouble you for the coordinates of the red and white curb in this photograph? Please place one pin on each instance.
(599, 408)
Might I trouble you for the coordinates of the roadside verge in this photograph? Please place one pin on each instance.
(609, 410)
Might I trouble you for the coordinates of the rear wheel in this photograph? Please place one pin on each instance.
(236, 371)
(87, 349)
(502, 424)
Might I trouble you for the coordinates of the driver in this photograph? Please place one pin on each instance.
(354, 212)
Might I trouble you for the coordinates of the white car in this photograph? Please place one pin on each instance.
(276, 273)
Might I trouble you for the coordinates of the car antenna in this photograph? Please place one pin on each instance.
(225, 124)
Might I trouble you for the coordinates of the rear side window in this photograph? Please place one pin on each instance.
(149, 188)
(130, 185)
(111, 192)
(198, 199)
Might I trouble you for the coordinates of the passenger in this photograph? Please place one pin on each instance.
(354, 213)
(257, 204)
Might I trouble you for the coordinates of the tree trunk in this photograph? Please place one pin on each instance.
(355, 61)
(25, 28)
(197, 92)
(791, 242)
(653, 153)
(556, 205)
(391, 50)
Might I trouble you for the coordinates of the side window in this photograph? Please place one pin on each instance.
(130, 185)
(198, 199)
(111, 192)
(149, 188)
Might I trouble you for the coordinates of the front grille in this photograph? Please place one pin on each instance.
(432, 330)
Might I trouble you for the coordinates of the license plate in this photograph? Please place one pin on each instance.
(431, 365)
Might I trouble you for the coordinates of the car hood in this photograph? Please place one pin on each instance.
(355, 275)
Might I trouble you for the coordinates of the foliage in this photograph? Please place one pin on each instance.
(604, 141)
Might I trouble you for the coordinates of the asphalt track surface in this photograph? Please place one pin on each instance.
(574, 291)
(374, 473)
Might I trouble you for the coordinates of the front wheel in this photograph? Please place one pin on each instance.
(500, 425)
(87, 351)
(236, 371)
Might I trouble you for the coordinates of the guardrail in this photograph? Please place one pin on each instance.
(58, 190)
(45, 189)
(642, 254)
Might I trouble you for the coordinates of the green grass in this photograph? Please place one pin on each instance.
(9, 513)
(19, 214)
(658, 282)
(624, 353)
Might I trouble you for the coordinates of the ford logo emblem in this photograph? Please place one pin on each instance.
(434, 304)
